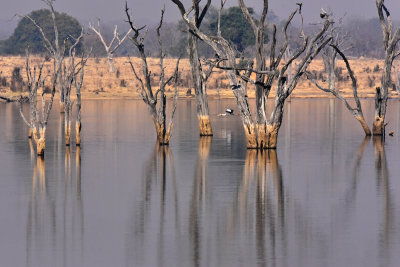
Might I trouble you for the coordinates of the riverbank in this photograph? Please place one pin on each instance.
(99, 83)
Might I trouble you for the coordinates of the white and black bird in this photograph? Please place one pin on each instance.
(300, 5)
(323, 14)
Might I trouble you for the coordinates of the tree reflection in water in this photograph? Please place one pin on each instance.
(198, 199)
(267, 223)
(55, 222)
(383, 189)
(263, 174)
(159, 196)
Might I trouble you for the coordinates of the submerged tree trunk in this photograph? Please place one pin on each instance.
(67, 120)
(390, 41)
(243, 105)
(357, 111)
(200, 87)
(163, 134)
(40, 140)
(378, 126)
(78, 124)
(274, 123)
(157, 104)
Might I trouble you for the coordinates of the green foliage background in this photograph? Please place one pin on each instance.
(27, 33)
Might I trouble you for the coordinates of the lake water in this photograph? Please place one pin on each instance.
(325, 197)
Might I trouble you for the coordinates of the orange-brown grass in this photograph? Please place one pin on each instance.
(100, 83)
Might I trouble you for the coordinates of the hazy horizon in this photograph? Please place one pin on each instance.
(148, 12)
(85, 10)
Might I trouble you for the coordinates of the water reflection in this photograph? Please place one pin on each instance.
(55, 220)
(197, 204)
(39, 211)
(158, 212)
(383, 189)
(324, 198)
(262, 171)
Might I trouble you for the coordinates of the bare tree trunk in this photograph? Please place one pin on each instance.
(356, 112)
(199, 75)
(261, 98)
(390, 41)
(157, 107)
(41, 141)
(67, 122)
(330, 65)
(78, 86)
(396, 77)
(200, 87)
(38, 122)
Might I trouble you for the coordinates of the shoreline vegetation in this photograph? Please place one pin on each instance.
(99, 83)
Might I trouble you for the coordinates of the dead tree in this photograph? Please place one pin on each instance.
(277, 71)
(69, 70)
(396, 82)
(56, 50)
(390, 41)
(78, 81)
(199, 74)
(225, 51)
(156, 101)
(114, 44)
(258, 28)
(357, 111)
(329, 55)
(265, 136)
(38, 118)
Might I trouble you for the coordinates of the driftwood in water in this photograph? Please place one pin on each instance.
(156, 101)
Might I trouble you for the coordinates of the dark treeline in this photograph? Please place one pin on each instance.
(233, 25)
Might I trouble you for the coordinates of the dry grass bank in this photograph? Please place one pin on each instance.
(100, 83)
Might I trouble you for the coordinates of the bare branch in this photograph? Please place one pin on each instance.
(203, 13)
(111, 47)
(286, 42)
(248, 17)
(176, 75)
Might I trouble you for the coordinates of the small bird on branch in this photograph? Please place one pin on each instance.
(300, 5)
(323, 13)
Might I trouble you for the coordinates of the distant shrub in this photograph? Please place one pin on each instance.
(17, 83)
(47, 89)
(377, 68)
(371, 82)
(243, 63)
(122, 83)
(3, 81)
(117, 73)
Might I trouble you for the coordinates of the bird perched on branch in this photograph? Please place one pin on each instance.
(300, 5)
(323, 14)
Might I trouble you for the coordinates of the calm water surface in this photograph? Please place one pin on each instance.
(325, 197)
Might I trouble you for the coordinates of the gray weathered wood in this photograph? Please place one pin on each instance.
(157, 105)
